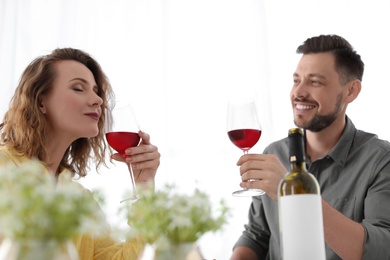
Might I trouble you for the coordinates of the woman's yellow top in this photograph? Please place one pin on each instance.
(89, 248)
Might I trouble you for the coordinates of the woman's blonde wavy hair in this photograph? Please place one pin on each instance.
(24, 126)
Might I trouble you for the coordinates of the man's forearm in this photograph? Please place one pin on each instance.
(343, 235)
(243, 253)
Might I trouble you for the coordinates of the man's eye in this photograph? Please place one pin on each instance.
(296, 82)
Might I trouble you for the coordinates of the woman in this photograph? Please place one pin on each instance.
(56, 116)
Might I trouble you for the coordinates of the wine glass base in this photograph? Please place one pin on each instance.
(248, 193)
(130, 200)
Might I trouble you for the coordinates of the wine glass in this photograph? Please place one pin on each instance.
(244, 130)
(121, 131)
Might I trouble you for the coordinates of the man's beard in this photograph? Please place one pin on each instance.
(320, 122)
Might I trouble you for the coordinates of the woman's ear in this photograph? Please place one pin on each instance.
(353, 90)
(42, 107)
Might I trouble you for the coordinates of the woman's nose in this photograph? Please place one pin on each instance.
(96, 100)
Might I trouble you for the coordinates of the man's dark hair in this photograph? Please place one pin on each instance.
(348, 63)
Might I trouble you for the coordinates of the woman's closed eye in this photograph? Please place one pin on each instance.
(78, 88)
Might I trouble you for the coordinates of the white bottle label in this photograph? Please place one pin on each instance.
(301, 227)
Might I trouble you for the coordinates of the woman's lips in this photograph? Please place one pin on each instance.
(94, 116)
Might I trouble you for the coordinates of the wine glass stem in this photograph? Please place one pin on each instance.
(132, 180)
(246, 152)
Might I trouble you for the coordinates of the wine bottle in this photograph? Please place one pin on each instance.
(300, 210)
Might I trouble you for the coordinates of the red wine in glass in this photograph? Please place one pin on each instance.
(244, 139)
(244, 130)
(120, 141)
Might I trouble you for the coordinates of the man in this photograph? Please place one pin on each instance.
(351, 166)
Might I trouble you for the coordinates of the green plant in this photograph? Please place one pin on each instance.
(167, 217)
(34, 205)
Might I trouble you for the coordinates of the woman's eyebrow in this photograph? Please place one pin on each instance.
(81, 79)
(95, 87)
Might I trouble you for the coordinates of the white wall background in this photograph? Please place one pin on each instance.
(179, 61)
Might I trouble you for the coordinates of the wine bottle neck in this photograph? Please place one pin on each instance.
(296, 148)
(294, 166)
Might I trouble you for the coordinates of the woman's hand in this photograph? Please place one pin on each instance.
(144, 159)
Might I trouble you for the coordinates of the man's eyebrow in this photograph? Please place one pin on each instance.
(311, 75)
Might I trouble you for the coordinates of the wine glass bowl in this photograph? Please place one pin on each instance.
(121, 130)
(244, 131)
(120, 141)
(244, 139)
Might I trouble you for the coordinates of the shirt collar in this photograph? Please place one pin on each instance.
(339, 152)
(63, 177)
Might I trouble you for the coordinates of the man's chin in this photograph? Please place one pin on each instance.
(300, 123)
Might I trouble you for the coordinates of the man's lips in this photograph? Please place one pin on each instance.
(304, 106)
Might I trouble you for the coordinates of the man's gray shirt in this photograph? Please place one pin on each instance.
(354, 178)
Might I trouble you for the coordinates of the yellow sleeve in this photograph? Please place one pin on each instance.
(5, 156)
(10, 156)
(106, 248)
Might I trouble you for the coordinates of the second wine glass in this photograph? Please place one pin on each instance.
(244, 130)
(122, 133)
